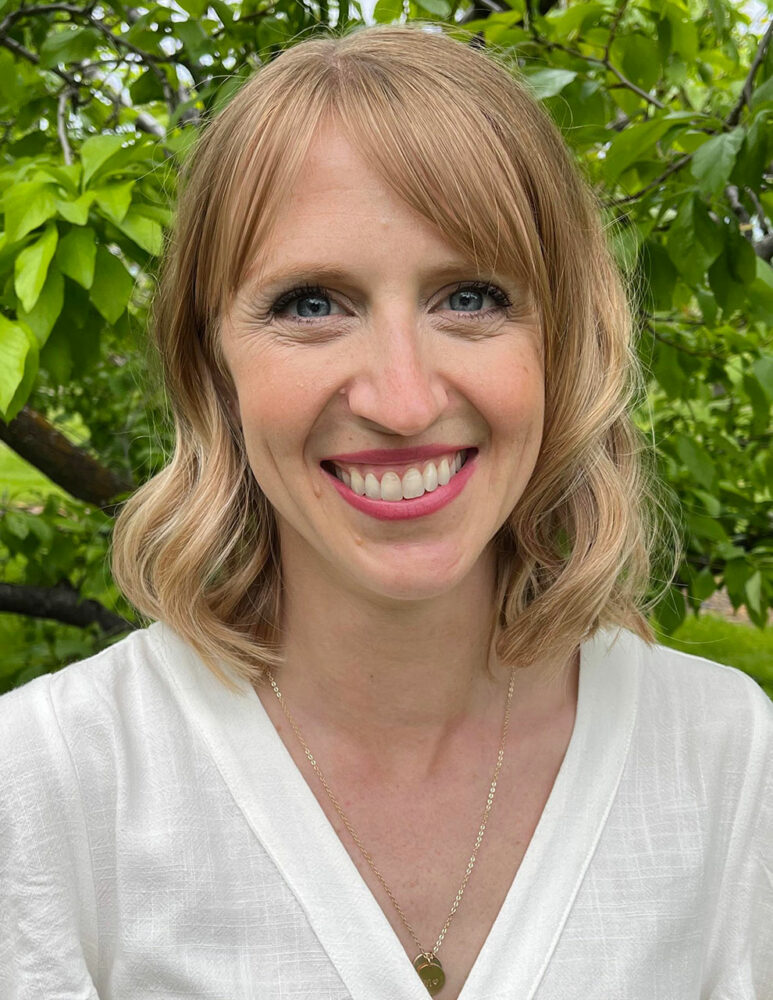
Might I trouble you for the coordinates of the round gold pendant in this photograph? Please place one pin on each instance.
(431, 972)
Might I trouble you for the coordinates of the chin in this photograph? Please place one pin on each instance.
(425, 576)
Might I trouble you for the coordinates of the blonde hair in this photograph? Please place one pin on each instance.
(462, 141)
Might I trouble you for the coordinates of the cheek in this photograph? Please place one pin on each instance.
(514, 398)
(278, 412)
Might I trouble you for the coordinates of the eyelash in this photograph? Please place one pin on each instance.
(286, 298)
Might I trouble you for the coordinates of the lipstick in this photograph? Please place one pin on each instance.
(400, 510)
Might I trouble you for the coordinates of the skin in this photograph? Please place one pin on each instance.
(386, 624)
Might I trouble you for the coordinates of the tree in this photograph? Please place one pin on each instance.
(667, 106)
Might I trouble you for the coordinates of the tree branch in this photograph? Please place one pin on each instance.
(746, 91)
(614, 26)
(74, 469)
(611, 68)
(670, 169)
(62, 603)
(14, 46)
(61, 126)
(764, 248)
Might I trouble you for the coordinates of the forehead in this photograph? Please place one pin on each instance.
(340, 210)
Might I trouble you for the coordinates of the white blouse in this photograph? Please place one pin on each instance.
(158, 841)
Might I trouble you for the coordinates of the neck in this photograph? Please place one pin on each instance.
(395, 679)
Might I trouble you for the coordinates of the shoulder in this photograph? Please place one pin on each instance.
(703, 727)
(44, 717)
(683, 687)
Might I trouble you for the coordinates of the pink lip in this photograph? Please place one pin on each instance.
(400, 510)
(397, 456)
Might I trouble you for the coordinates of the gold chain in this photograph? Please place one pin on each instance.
(366, 854)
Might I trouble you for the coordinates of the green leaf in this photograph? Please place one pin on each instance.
(46, 310)
(730, 294)
(760, 403)
(702, 585)
(76, 255)
(741, 258)
(115, 200)
(11, 87)
(638, 57)
(440, 8)
(76, 211)
(197, 8)
(146, 233)
(660, 273)
(751, 161)
(549, 82)
(737, 572)
(112, 286)
(670, 611)
(714, 160)
(56, 357)
(193, 37)
(625, 245)
(668, 371)
(67, 45)
(706, 527)
(697, 462)
(753, 591)
(16, 524)
(762, 94)
(632, 144)
(763, 370)
(146, 88)
(684, 34)
(687, 238)
(31, 267)
(224, 12)
(26, 206)
(565, 23)
(386, 11)
(97, 150)
(18, 357)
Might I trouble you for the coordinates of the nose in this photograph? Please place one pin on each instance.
(397, 382)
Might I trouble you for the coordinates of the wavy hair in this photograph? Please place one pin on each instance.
(457, 135)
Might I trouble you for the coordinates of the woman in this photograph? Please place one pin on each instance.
(400, 725)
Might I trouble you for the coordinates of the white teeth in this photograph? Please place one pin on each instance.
(357, 482)
(413, 484)
(372, 487)
(391, 487)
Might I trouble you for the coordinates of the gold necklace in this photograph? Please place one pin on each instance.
(426, 963)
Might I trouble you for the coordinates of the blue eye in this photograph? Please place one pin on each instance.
(468, 299)
(313, 305)
(317, 303)
(470, 296)
(313, 301)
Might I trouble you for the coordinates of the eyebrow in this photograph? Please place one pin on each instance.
(328, 273)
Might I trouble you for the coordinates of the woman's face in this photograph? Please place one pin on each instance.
(366, 355)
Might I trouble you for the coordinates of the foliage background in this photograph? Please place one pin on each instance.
(667, 105)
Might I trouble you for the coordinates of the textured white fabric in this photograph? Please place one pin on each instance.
(157, 841)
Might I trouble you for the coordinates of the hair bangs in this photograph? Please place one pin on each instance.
(432, 149)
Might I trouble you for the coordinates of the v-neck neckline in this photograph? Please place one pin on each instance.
(283, 812)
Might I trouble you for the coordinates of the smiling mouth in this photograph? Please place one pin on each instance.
(383, 483)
